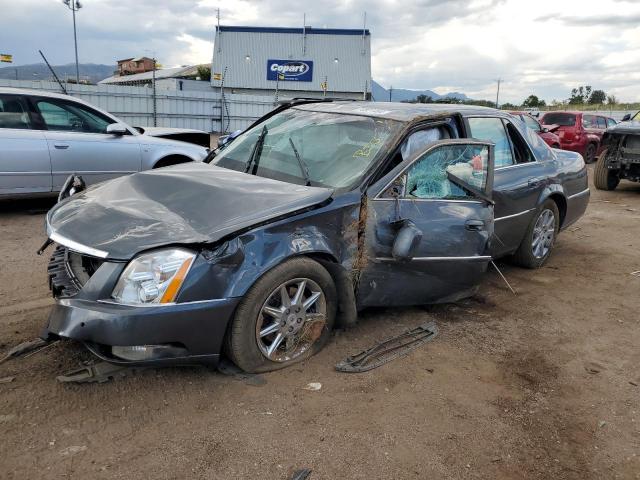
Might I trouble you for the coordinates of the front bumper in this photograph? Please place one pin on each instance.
(199, 327)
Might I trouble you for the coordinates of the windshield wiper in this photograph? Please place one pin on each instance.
(254, 158)
(303, 166)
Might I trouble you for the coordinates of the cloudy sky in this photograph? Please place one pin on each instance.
(544, 47)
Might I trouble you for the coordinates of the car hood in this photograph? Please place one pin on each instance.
(184, 204)
(628, 127)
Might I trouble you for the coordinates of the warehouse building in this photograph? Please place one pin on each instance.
(292, 62)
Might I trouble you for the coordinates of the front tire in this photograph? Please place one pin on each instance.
(540, 237)
(285, 317)
(604, 178)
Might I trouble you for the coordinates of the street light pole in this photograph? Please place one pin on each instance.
(74, 5)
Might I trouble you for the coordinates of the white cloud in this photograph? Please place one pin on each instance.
(544, 47)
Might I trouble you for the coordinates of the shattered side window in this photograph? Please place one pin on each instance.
(443, 172)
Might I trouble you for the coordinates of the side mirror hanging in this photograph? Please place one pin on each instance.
(407, 240)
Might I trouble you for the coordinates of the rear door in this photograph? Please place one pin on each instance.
(518, 181)
(442, 193)
(25, 166)
(78, 143)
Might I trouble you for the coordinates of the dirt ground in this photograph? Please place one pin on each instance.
(541, 385)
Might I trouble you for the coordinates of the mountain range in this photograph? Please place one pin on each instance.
(92, 72)
(95, 72)
(381, 94)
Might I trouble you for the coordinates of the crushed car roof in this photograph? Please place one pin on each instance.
(404, 112)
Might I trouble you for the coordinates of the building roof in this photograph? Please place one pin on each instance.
(177, 72)
(295, 30)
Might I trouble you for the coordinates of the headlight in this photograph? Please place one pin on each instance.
(153, 277)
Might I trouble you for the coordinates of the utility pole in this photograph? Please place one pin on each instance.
(498, 93)
(74, 5)
(155, 106)
(390, 92)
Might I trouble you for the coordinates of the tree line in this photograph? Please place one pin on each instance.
(582, 95)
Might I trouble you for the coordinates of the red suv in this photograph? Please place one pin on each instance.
(549, 137)
(578, 131)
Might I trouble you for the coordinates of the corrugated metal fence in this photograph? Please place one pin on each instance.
(202, 110)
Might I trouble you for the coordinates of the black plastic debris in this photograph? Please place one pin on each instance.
(302, 474)
(227, 368)
(24, 347)
(99, 373)
(389, 349)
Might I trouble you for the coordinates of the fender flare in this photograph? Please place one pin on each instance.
(556, 193)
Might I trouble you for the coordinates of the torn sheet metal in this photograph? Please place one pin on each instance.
(389, 349)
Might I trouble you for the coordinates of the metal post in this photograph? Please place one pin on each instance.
(155, 110)
(74, 5)
(75, 38)
(390, 91)
(498, 93)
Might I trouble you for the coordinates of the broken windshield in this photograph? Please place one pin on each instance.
(331, 150)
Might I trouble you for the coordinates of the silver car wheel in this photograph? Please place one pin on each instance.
(291, 319)
(543, 234)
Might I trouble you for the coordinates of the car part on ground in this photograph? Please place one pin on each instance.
(100, 372)
(24, 348)
(302, 474)
(621, 158)
(273, 262)
(389, 349)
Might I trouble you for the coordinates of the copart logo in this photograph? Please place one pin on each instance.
(290, 69)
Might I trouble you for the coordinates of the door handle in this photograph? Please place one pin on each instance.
(474, 225)
(61, 146)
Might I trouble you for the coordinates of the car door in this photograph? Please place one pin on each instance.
(438, 203)
(518, 180)
(78, 143)
(25, 166)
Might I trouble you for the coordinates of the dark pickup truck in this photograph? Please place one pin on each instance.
(621, 157)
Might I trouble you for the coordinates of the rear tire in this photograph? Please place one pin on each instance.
(590, 153)
(540, 237)
(303, 330)
(603, 178)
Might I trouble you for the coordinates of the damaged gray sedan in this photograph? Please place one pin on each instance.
(315, 212)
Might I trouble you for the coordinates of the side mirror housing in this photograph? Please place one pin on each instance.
(407, 240)
(117, 129)
(626, 118)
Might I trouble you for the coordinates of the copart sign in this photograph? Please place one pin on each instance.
(290, 70)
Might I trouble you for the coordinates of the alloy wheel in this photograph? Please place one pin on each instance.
(543, 234)
(291, 319)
